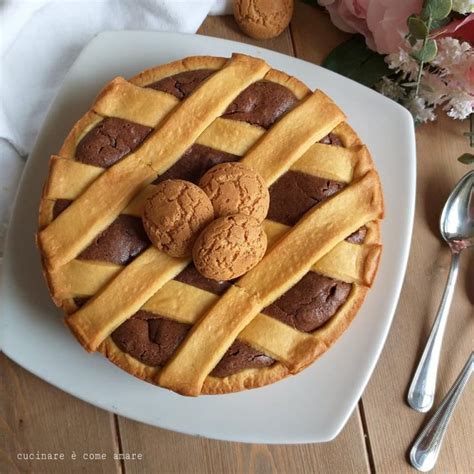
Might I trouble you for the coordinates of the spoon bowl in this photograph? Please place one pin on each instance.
(457, 218)
(457, 229)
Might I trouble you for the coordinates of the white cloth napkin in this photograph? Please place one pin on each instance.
(39, 41)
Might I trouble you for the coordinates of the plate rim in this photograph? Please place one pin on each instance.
(396, 293)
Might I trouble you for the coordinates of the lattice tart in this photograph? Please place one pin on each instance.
(156, 316)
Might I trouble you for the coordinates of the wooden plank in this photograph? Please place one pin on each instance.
(392, 424)
(166, 451)
(314, 36)
(175, 453)
(38, 418)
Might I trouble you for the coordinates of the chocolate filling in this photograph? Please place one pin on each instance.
(183, 84)
(331, 139)
(295, 193)
(80, 301)
(109, 141)
(150, 338)
(262, 103)
(238, 357)
(59, 206)
(195, 162)
(153, 340)
(358, 236)
(120, 243)
(310, 303)
(192, 277)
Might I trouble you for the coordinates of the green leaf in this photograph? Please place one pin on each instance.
(417, 28)
(467, 159)
(430, 50)
(354, 60)
(441, 9)
(427, 53)
(435, 24)
(437, 9)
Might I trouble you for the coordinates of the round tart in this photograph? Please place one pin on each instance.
(155, 315)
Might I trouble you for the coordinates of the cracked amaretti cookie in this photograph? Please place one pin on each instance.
(155, 315)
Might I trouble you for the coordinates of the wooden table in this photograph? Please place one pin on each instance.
(35, 416)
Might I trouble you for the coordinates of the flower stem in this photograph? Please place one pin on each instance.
(420, 69)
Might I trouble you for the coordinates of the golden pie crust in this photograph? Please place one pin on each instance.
(316, 243)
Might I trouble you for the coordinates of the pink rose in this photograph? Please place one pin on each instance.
(382, 22)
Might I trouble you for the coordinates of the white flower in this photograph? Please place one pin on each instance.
(463, 6)
(452, 53)
(433, 89)
(418, 108)
(455, 63)
(402, 62)
(446, 81)
(462, 77)
(460, 104)
(391, 89)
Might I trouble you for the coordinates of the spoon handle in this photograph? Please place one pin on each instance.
(422, 388)
(425, 449)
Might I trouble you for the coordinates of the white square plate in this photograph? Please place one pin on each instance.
(310, 407)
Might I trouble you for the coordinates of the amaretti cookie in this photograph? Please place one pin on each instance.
(229, 247)
(233, 188)
(175, 214)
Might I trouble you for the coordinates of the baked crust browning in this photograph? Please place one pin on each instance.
(324, 147)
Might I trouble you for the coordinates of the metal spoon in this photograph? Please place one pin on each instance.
(457, 229)
(425, 449)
